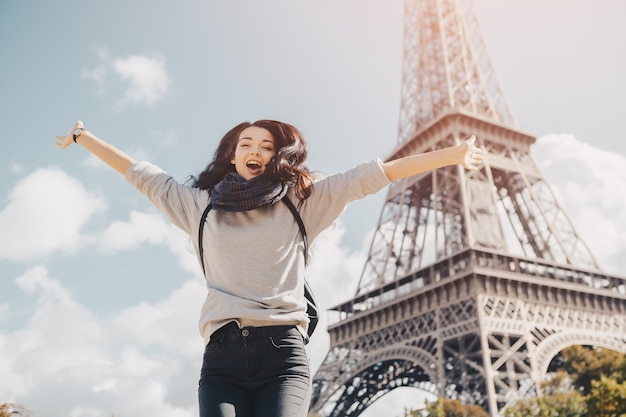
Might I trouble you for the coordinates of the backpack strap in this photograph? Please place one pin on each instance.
(298, 219)
(201, 233)
(311, 304)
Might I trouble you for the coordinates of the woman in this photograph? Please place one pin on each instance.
(254, 320)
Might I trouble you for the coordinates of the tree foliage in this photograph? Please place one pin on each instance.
(588, 364)
(591, 382)
(607, 398)
(560, 400)
(445, 407)
(13, 410)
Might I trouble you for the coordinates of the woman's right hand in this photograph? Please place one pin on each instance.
(65, 141)
(108, 153)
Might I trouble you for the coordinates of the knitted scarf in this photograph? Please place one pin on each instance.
(235, 193)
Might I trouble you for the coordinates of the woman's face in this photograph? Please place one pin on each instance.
(255, 148)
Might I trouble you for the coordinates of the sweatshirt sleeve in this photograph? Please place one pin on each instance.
(331, 194)
(180, 203)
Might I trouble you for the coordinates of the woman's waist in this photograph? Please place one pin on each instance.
(233, 331)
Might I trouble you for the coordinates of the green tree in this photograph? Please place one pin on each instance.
(557, 405)
(13, 410)
(561, 399)
(591, 382)
(445, 407)
(587, 364)
(607, 398)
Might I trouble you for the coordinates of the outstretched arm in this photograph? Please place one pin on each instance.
(467, 154)
(108, 153)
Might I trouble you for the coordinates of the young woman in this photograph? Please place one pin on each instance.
(254, 320)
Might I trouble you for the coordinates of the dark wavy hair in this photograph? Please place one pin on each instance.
(287, 166)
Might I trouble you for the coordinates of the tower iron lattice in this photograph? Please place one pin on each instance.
(474, 281)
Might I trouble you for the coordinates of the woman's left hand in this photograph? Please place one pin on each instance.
(473, 157)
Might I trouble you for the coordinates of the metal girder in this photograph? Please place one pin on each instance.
(446, 66)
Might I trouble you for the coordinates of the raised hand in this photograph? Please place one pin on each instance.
(473, 157)
(109, 154)
(65, 141)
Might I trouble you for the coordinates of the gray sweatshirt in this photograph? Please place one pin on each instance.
(254, 259)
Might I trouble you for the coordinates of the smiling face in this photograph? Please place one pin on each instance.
(255, 148)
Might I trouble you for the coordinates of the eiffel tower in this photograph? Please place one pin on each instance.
(475, 281)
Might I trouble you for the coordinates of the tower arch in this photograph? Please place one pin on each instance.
(384, 371)
(554, 344)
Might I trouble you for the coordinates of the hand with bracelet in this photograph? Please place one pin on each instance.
(109, 154)
(72, 135)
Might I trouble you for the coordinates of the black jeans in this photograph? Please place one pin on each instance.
(255, 372)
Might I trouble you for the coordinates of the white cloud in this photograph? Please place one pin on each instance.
(590, 184)
(69, 361)
(151, 228)
(45, 213)
(145, 78)
(61, 339)
(141, 228)
(170, 323)
(35, 279)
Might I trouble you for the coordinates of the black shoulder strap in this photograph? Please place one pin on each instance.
(311, 305)
(285, 200)
(201, 233)
(296, 216)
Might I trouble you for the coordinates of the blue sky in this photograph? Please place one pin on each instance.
(99, 295)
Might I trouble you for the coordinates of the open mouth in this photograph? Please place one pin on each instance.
(254, 167)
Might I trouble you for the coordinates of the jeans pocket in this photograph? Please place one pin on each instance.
(289, 340)
(212, 348)
(273, 343)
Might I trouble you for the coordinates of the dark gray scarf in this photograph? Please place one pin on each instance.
(235, 193)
